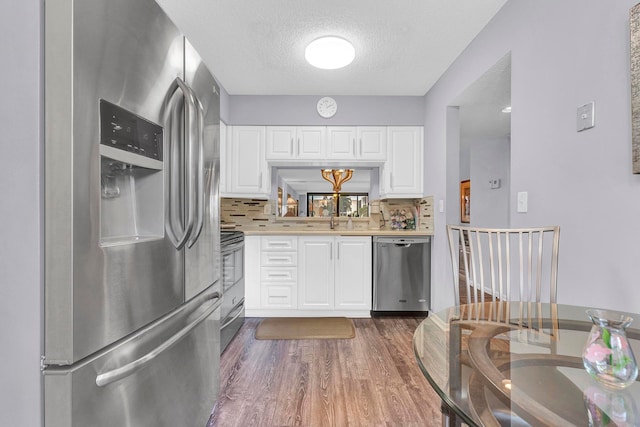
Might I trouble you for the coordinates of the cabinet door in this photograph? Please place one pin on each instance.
(224, 167)
(248, 172)
(280, 142)
(252, 288)
(403, 169)
(341, 142)
(315, 273)
(311, 142)
(372, 142)
(353, 273)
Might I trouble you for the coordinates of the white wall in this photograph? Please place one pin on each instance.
(20, 214)
(564, 54)
(489, 159)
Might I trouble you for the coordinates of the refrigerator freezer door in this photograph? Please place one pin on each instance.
(127, 53)
(165, 375)
(202, 253)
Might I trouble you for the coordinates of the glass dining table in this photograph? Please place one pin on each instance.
(512, 363)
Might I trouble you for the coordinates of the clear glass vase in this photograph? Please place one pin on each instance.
(607, 355)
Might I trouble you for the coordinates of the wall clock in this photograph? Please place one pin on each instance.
(327, 107)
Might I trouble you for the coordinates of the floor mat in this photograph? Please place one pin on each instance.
(301, 328)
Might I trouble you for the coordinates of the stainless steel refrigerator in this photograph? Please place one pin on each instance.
(132, 262)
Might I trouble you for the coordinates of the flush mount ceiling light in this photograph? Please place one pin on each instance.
(507, 109)
(329, 53)
(335, 177)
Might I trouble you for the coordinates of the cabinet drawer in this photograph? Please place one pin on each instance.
(278, 274)
(284, 243)
(278, 258)
(279, 296)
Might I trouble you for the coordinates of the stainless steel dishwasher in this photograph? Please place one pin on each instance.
(401, 275)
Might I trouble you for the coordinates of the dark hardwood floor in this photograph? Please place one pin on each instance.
(371, 380)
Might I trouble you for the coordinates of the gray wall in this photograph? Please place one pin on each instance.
(489, 159)
(299, 110)
(564, 54)
(20, 214)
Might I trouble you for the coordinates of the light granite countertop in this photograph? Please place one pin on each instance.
(302, 231)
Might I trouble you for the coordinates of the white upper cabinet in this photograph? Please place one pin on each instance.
(342, 142)
(281, 142)
(223, 159)
(311, 142)
(248, 172)
(402, 173)
(339, 143)
(372, 142)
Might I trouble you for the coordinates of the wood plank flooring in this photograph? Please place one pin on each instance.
(371, 380)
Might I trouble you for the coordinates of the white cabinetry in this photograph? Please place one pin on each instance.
(224, 167)
(342, 142)
(316, 273)
(281, 141)
(247, 169)
(311, 142)
(372, 142)
(252, 298)
(308, 276)
(334, 273)
(278, 272)
(402, 173)
(353, 273)
(339, 143)
(296, 142)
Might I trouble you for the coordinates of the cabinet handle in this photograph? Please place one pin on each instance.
(338, 252)
(360, 146)
(260, 180)
(298, 147)
(390, 181)
(280, 259)
(278, 274)
(331, 252)
(353, 150)
(292, 153)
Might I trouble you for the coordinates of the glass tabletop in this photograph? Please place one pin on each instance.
(520, 364)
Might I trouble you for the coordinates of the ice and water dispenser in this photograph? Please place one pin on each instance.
(131, 179)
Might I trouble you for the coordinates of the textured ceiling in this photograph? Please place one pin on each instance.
(256, 47)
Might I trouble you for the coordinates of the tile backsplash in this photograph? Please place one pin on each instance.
(259, 214)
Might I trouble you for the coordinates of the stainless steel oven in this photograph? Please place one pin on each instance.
(232, 313)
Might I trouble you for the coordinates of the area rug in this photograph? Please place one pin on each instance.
(305, 328)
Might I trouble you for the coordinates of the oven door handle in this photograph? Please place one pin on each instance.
(237, 314)
(227, 249)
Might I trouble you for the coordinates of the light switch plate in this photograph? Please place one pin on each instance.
(522, 202)
(586, 117)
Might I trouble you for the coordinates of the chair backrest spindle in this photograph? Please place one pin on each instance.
(496, 260)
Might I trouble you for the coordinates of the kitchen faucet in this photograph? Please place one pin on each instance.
(331, 223)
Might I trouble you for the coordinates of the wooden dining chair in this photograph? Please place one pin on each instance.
(504, 263)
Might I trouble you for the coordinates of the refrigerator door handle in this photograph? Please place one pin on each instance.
(176, 233)
(199, 190)
(114, 375)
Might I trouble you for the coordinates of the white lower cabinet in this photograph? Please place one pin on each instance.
(316, 273)
(309, 276)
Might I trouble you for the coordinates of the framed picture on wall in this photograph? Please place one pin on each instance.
(465, 201)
